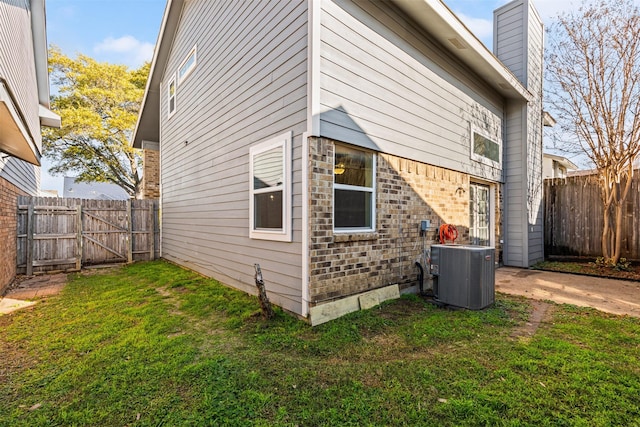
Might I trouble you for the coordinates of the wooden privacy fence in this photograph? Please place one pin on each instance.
(65, 234)
(573, 217)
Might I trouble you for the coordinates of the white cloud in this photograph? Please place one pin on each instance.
(482, 28)
(125, 50)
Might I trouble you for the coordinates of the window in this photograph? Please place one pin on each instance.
(353, 189)
(171, 97)
(187, 65)
(485, 150)
(270, 189)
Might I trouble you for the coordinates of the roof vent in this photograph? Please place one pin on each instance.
(457, 43)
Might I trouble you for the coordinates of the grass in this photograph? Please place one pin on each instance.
(152, 344)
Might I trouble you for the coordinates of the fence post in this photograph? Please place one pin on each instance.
(151, 227)
(78, 237)
(130, 233)
(30, 239)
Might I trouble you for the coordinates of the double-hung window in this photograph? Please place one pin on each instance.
(171, 97)
(270, 189)
(353, 190)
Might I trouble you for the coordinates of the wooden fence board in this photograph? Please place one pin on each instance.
(64, 234)
(573, 217)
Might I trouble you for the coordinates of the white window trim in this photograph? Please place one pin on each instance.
(372, 190)
(194, 52)
(482, 159)
(285, 234)
(175, 97)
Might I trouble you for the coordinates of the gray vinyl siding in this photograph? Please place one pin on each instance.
(23, 175)
(535, 41)
(518, 43)
(385, 85)
(515, 215)
(248, 86)
(17, 68)
(509, 39)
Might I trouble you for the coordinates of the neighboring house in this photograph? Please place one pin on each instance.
(49, 193)
(93, 190)
(313, 137)
(24, 107)
(556, 166)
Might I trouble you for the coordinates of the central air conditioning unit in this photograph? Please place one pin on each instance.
(464, 275)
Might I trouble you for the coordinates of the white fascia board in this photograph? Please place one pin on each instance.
(49, 118)
(40, 53)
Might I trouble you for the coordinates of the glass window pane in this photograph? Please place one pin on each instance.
(186, 67)
(353, 167)
(352, 209)
(486, 148)
(268, 210)
(267, 168)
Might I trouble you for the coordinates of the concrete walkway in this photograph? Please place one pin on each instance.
(609, 295)
(27, 292)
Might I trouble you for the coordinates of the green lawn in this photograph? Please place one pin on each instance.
(152, 344)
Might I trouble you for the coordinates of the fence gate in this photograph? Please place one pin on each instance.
(64, 234)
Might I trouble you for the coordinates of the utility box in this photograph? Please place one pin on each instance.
(464, 275)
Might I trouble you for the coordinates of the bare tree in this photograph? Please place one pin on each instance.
(593, 74)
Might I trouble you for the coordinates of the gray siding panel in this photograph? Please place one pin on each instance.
(515, 188)
(386, 86)
(248, 86)
(519, 42)
(534, 72)
(23, 175)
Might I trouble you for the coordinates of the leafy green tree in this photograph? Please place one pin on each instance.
(98, 103)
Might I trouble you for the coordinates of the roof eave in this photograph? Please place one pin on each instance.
(147, 125)
(439, 21)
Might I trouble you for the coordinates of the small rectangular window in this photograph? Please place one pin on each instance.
(270, 188)
(188, 65)
(171, 97)
(485, 150)
(353, 190)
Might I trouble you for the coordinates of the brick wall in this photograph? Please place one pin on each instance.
(150, 174)
(8, 224)
(407, 192)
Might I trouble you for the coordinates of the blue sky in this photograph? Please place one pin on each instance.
(125, 31)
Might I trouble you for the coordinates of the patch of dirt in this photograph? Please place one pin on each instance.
(540, 312)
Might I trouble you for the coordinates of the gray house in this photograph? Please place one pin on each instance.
(24, 107)
(93, 190)
(314, 137)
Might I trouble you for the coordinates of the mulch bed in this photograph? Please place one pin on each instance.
(588, 267)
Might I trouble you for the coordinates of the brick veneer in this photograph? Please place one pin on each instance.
(8, 225)
(150, 174)
(407, 192)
